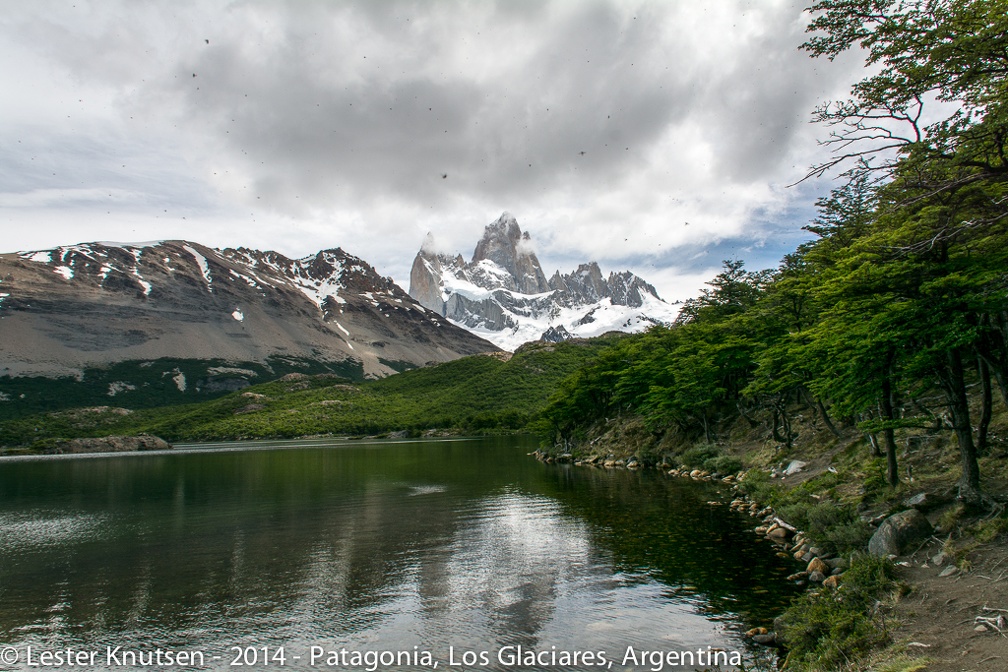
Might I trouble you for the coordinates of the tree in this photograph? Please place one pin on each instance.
(938, 94)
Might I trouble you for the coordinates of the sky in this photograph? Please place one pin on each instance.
(659, 137)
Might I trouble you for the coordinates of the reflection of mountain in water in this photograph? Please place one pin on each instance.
(430, 544)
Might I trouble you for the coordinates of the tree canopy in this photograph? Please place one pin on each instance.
(902, 297)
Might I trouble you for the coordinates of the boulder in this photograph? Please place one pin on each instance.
(924, 502)
(778, 534)
(898, 532)
(795, 467)
(817, 565)
(838, 563)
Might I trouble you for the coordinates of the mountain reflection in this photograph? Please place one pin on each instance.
(431, 544)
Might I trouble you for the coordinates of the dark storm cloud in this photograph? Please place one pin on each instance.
(314, 115)
(614, 130)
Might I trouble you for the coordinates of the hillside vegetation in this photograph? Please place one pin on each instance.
(473, 394)
(899, 305)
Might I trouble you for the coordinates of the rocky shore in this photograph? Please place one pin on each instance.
(891, 537)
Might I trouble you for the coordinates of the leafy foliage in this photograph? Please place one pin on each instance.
(903, 293)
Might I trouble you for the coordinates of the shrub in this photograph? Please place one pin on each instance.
(697, 456)
(826, 629)
(758, 485)
(723, 464)
(828, 524)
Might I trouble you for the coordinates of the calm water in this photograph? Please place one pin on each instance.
(384, 546)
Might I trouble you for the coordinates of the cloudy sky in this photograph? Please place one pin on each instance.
(655, 136)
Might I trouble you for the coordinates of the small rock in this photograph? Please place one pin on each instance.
(816, 551)
(769, 639)
(798, 576)
(948, 571)
(779, 533)
(836, 571)
(756, 631)
(832, 581)
(980, 628)
(939, 559)
(800, 553)
(838, 563)
(817, 565)
(816, 577)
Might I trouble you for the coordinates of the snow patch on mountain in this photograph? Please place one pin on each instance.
(503, 296)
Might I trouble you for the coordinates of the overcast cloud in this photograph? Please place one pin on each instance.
(655, 136)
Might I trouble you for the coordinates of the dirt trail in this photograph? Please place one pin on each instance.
(939, 617)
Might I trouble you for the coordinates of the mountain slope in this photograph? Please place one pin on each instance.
(503, 296)
(97, 304)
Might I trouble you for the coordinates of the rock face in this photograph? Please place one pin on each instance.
(898, 532)
(100, 303)
(503, 295)
(112, 444)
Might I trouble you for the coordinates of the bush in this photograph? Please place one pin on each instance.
(835, 527)
(723, 464)
(826, 629)
(759, 487)
(697, 456)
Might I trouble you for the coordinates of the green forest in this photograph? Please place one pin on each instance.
(895, 315)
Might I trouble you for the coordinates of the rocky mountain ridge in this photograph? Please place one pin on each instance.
(94, 304)
(502, 294)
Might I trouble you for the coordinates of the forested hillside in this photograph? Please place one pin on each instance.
(896, 315)
(474, 394)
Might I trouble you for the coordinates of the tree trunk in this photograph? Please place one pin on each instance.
(994, 350)
(826, 419)
(782, 422)
(873, 442)
(886, 411)
(954, 385)
(988, 401)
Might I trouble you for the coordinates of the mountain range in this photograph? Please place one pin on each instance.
(245, 314)
(140, 324)
(502, 294)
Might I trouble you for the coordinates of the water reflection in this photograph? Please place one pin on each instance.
(430, 544)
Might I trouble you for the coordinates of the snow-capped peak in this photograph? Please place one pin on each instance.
(503, 296)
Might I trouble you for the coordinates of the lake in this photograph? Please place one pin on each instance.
(414, 555)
